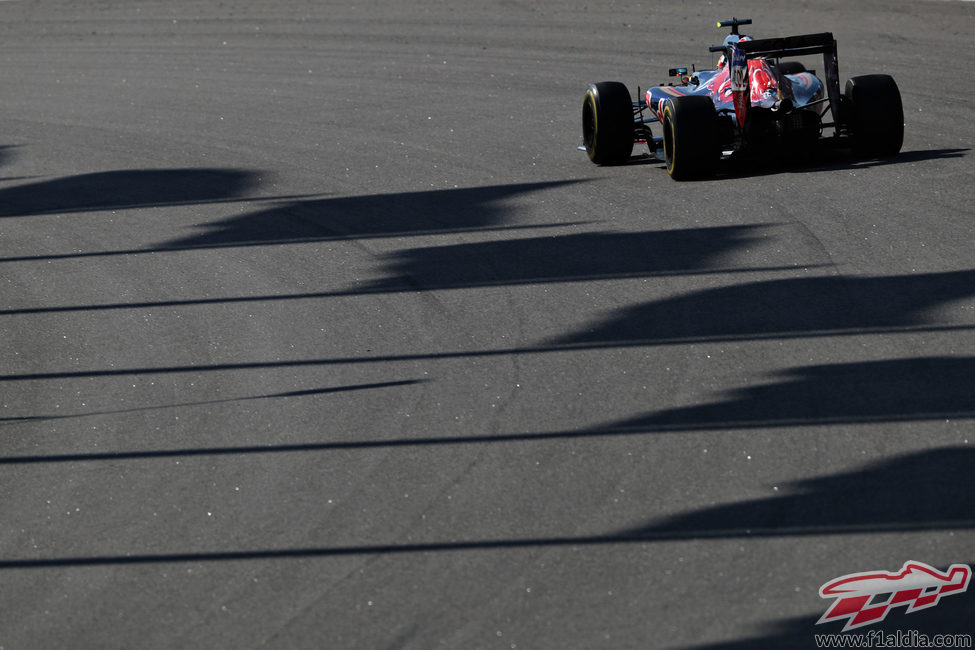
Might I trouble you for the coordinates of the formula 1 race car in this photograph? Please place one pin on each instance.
(752, 103)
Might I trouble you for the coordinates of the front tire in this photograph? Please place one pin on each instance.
(691, 146)
(607, 123)
(875, 115)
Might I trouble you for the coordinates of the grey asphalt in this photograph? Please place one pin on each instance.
(317, 331)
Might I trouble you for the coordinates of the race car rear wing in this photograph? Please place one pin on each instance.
(801, 45)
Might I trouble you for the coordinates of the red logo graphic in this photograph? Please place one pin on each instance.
(865, 598)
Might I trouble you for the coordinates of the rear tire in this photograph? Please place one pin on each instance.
(875, 115)
(691, 145)
(607, 123)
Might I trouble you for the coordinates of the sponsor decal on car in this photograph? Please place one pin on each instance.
(739, 82)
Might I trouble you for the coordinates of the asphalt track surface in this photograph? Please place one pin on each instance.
(318, 332)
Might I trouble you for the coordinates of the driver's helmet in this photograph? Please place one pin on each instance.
(732, 38)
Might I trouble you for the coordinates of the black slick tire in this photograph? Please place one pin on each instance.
(875, 115)
(691, 146)
(607, 123)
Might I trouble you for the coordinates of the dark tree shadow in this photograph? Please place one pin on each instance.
(290, 219)
(927, 490)
(781, 308)
(840, 394)
(834, 395)
(566, 258)
(376, 215)
(126, 189)
(581, 257)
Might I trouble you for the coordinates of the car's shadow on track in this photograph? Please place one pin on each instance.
(639, 159)
(825, 160)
